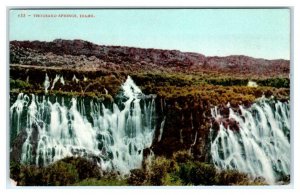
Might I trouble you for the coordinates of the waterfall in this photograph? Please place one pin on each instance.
(161, 129)
(57, 77)
(261, 144)
(46, 83)
(75, 78)
(58, 127)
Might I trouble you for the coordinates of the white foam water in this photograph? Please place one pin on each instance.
(75, 78)
(261, 146)
(116, 135)
(46, 83)
(57, 77)
(130, 90)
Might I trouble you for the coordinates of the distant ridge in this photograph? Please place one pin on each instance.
(53, 54)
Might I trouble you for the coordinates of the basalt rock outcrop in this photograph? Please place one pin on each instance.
(83, 54)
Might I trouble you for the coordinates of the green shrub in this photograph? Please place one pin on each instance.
(275, 82)
(202, 174)
(227, 81)
(184, 172)
(197, 173)
(159, 169)
(19, 84)
(101, 182)
(182, 156)
(234, 177)
(85, 168)
(137, 177)
(14, 170)
(60, 174)
(63, 172)
(230, 177)
(172, 179)
(31, 176)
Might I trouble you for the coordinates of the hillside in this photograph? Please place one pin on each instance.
(85, 55)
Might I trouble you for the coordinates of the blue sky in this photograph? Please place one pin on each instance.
(263, 33)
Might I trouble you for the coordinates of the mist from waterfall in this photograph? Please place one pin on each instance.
(261, 145)
(58, 127)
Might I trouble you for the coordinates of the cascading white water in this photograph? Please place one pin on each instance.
(261, 146)
(116, 135)
(57, 77)
(46, 83)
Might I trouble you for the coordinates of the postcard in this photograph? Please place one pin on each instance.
(149, 97)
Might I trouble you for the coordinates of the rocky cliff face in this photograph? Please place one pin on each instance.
(86, 54)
